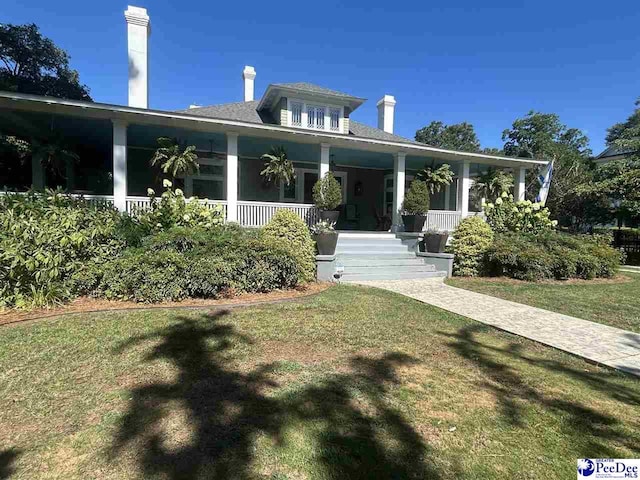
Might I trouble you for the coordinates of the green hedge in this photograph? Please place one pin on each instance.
(184, 262)
(471, 239)
(551, 255)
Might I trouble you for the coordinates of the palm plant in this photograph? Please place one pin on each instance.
(492, 183)
(53, 152)
(435, 178)
(277, 167)
(174, 159)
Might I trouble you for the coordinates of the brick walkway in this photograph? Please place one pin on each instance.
(599, 343)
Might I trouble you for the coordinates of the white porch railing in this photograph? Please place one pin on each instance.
(142, 203)
(445, 219)
(256, 214)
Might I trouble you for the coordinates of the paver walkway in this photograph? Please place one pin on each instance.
(600, 343)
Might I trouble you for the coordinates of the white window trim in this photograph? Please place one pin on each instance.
(300, 185)
(188, 180)
(305, 118)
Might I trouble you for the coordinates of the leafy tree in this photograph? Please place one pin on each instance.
(32, 63)
(542, 135)
(459, 136)
(435, 178)
(490, 184)
(277, 166)
(174, 159)
(615, 186)
(493, 151)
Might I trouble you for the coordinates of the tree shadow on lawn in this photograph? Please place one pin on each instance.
(228, 408)
(594, 429)
(7, 458)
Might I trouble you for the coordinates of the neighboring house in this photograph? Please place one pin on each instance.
(612, 153)
(314, 124)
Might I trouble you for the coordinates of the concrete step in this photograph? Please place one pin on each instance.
(366, 235)
(360, 254)
(371, 249)
(355, 277)
(388, 269)
(386, 260)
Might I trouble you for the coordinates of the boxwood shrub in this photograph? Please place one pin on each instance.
(551, 255)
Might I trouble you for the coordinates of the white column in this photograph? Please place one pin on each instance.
(464, 184)
(447, 197)
(37, 170)
(325, 148)
(120, 165)
(231, 179)
(398, 190)
(519, 184)
(137, 42)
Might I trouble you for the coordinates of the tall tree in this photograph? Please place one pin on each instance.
(617, 183)
(542, 135)
(32, 63)
(459, 136)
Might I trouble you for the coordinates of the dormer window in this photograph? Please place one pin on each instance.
(314, 116)
(296, 114)
(334, 115)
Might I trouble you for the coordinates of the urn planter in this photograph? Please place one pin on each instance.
(435, 242)
(330, 215)
(326, 242)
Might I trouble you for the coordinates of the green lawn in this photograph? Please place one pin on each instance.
(612, 302)
(353, 383)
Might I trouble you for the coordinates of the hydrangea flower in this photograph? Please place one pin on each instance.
(179, 192)
(166, 183)
(150, 192)
(498, 201)
(504, 195)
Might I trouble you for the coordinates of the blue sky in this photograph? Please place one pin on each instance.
(484, 62)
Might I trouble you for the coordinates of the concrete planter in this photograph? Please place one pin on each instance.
(413, 223)
(434, 242)
(326, 243)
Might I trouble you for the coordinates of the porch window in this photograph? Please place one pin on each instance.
(208, 182)
(335, 119)
(296, 114)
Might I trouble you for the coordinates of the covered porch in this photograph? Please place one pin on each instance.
(115, 144)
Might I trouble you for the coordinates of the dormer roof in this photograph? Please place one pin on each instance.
(275, 91)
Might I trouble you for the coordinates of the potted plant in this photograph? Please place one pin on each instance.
(415, 206)
(327, 195)
(326, 237)
(435, 178)
(434, 240)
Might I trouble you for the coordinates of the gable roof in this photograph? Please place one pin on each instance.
(247, 112)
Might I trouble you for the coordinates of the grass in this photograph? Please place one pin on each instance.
(611, 302)
(353, 383)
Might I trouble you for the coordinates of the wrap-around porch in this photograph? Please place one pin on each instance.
(114, 166)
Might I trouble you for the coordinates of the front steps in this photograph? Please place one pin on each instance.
(379, 256)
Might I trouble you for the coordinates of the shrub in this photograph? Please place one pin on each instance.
(44, 239)
(289, 230)
(327, 193)
(551, 255)
(173, 209)
(416, 200)
(505, 215)
(470, 241)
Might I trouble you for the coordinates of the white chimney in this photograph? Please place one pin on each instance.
(386, 108)
(249, 75)
(138, 30)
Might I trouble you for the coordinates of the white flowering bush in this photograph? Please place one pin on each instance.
(505, 215)
(172, 209)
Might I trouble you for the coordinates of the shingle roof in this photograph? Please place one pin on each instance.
(613, 152)
(246, 112)
(312, 88)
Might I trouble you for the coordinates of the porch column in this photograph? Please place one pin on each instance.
(324, 159)
(447, 197)
(398, 190)
(464, 184)
(37, 170)
(231, 179)
(120, 165)
(519, 184)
